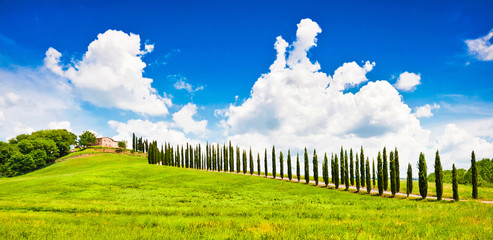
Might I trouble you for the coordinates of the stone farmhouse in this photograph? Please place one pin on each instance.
(106, 142)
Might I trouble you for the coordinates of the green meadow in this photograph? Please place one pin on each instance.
(114, 196)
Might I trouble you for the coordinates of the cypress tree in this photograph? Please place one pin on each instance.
(244, 162)
(265, 163)
(219, 159)
(252, 168)
(346, 171)
(133, 141)
(231, 158)
(367, 172)
(307, 168)
(341, 166)
(325, 170)
(362, 165)
(238, 160)
(332, 170)
(182, 157)
(357, 174)
(281, 165)
(392, 173)
(385, 170)
(423, 180)
(186, 157)
(397, 171)
(258, 163)
(177, 156)
(225, 156)
(290, 171)
(209, 161)
(351, 169)
(298, 168)
(161, 155)
(454, 183)
(273, 162)
(380, 174)
(315, 167)
(409, 179)
(374, 175)
(474, 175)
(438, 176)
(336, 172)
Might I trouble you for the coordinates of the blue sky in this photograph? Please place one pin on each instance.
(225, 47)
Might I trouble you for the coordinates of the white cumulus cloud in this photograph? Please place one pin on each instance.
(110, 74)
(297, 105)
(160, 131)
(425, 110)
(60, 125)
(184, 120)
(407, 81)
(481, 47)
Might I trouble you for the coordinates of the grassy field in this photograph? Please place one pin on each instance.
(122, 197)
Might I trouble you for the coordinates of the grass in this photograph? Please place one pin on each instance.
(122, 197)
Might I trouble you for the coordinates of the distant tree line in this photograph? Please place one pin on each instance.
(28, 152)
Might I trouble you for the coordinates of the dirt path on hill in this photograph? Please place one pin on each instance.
(363, 189)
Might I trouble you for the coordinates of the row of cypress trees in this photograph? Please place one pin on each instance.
(423, 181)
(343, 169)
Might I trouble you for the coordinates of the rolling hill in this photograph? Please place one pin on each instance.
(113, 196)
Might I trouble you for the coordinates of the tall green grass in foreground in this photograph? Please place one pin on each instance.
(123, 197)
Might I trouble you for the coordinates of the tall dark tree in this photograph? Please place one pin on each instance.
(346, 171)
(273, 162)
(438, 176)
(362, 165)
(258, 163)
(474, 172)
(244, 162)
(336, 172)
(380, 174)
(397, 171)
(351, 167)
(315, 167)
(290, 170)
(307, 168)
(358, 181)
(265, 163)
(238, 159)
(409, 179)
(182, 157)
(281, 165)
(133, 142)
(332, 168)
(341, 166)
(252, 168)
(455, 188)
(392, 173)
(385, 170)
(226, 158)
(231, 158)
(423, 180)
(374, 175)
(325, 170)
(298, 168)
(367, 172)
